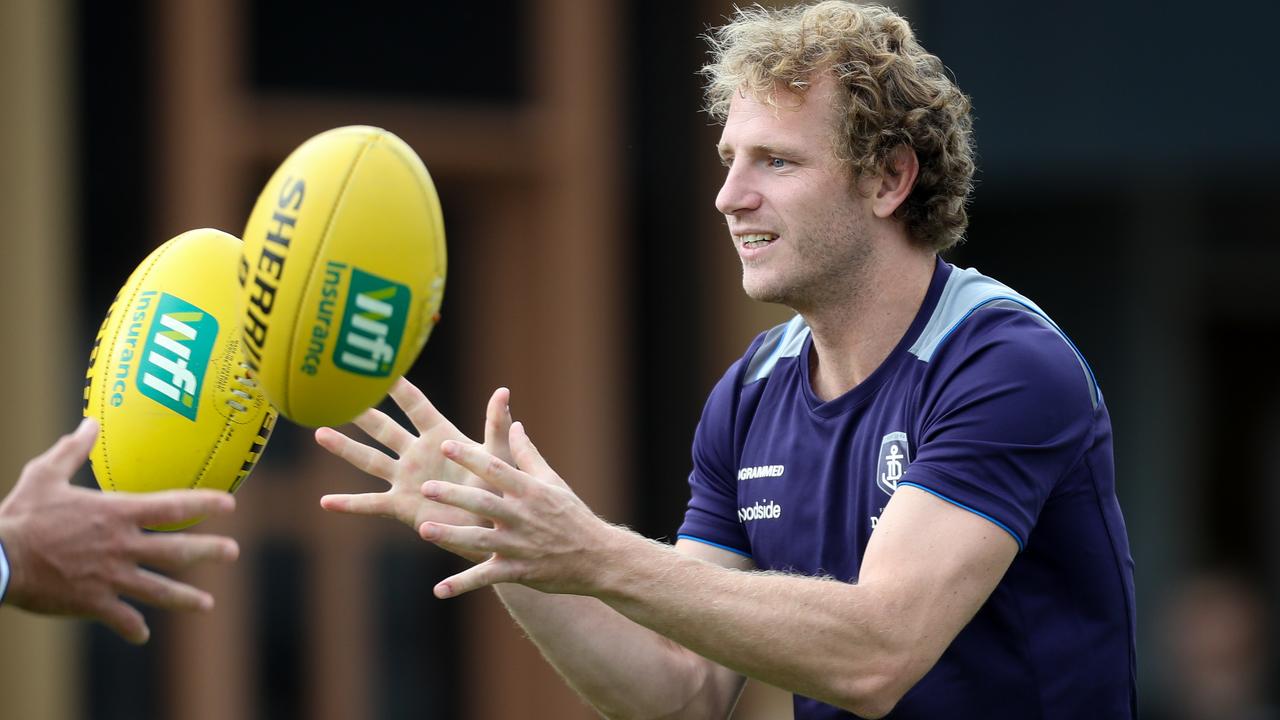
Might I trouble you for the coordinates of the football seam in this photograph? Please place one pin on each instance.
(229, 426)
(260, 440)
(102, 429)
(227, 431)
(314, 260)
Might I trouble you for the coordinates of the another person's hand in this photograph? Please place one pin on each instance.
(76, 551)
(417, 459)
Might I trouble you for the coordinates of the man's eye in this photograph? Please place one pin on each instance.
(777, 163)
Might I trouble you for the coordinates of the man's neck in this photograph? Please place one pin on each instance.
(853, 338)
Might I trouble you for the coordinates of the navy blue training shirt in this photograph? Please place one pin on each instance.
(985, 404)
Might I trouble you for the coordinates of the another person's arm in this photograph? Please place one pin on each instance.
(76, 551)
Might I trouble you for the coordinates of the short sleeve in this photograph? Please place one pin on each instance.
(712, 515)
(1007, 410)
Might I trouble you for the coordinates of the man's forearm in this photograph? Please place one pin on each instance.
(623, 669)
(816, 637)
(641, 649)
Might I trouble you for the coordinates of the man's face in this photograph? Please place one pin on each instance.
(796, 220)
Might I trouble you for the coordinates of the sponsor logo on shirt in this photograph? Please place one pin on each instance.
(760, 471)
(760, 510)
(893, 461)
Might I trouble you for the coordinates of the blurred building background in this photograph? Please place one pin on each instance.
(1127, 155)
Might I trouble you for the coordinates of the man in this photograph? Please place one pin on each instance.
(921, 458)
(68, 550)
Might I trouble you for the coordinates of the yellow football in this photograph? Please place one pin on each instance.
(343, 273)
(167, 379)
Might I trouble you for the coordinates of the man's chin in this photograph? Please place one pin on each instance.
(765, 292)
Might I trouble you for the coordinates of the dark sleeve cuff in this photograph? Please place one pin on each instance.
(4, 573)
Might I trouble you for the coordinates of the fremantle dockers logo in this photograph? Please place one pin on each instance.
(893, 461)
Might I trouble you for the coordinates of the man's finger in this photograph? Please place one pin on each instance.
(416, 406)
(163, 592)
(175, 551)
(485, 574)
(357, 454)
(169, 507)
(477, 501)
(526, 453)
(497, 423)
(371, 504)
(455, 538)
(379, 426)
(123, 619)
(487, 466)
(69, 453)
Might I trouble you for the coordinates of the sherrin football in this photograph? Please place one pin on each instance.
(167, 379)
(343, 273)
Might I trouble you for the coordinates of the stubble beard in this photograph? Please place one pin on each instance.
(828, 269)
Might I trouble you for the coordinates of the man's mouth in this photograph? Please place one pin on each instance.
(753, 241)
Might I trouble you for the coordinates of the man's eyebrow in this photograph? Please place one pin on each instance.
(759, 149)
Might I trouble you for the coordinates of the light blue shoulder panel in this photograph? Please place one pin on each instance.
(781, 341)
(968, 291)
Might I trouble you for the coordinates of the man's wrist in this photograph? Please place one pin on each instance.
(626, 554)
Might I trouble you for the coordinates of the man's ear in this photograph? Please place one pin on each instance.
(896, 181)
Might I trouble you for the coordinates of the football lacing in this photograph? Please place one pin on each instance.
(245, 381)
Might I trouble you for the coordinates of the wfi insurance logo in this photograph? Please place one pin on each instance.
(176, 355)
(372, 325)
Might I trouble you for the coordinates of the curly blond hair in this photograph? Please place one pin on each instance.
(896, 93)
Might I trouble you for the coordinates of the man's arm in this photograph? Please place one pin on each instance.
(75, 551)
(623, 669)
(928, 567)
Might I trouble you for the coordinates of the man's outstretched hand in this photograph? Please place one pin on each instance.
(538, 532)
(417, 458)
(76, 551)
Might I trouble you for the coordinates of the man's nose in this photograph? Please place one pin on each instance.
(738, 193)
